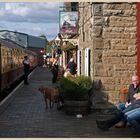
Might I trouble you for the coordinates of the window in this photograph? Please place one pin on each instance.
(74, 6)
(87, 62)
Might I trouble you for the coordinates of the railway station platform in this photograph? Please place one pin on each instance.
(23, 115)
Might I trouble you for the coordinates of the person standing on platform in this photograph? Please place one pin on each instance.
(54, 71)
(71, 66)
(26, 69)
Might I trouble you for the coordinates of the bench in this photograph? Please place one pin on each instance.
(123, 94)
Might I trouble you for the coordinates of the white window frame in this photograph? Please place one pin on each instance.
(87, 65)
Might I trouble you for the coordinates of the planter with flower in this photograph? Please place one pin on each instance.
(75, 91)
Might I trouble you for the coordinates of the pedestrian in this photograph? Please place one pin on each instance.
(133, 88)
(54, 70)
(26, 69)
(72, 66)
(131, 115)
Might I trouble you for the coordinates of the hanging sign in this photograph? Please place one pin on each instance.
(68, 22)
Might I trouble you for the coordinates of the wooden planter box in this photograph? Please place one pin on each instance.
(77, 107)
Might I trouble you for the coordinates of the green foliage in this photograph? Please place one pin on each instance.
(48, 49)
(69, 46)
(75, 88)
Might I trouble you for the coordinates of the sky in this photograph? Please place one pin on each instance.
(31, 18)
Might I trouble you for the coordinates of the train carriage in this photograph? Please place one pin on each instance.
(11, 67)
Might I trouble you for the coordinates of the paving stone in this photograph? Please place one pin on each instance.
(26, 116)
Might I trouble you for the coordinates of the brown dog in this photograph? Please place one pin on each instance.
(50, 93)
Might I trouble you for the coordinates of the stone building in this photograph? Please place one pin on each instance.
(108, 46)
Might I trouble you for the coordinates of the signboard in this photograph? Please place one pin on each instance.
(68, 22)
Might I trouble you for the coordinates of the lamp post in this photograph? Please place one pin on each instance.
(58, 42)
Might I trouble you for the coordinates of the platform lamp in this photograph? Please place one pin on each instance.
(58, 42)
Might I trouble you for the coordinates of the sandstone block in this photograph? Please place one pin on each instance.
(116, 35)
(112, 60)
(97, 30)
(122, 21)
(97, 9)
(130, 60)
(121, 6)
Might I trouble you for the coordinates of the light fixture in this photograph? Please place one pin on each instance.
(58, 42)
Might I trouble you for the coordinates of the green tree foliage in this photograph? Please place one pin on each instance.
(48, 47)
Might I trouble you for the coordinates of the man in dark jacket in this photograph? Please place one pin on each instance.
(133, 88)
(131, 115)
(54, 70)
(26, 69)
(131, 111)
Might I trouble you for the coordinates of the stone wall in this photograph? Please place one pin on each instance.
(109, 30)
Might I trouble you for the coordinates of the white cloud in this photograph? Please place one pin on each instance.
(48, 29)
(16, 9)
(30, 12)
(31, 18)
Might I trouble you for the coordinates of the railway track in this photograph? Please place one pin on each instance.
(13, 86)
(8, 90)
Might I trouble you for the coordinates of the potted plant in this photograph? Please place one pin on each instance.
(75, 91)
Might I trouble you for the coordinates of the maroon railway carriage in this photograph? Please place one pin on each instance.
(11, 67)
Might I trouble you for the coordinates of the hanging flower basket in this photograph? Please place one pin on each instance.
(75, 91)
